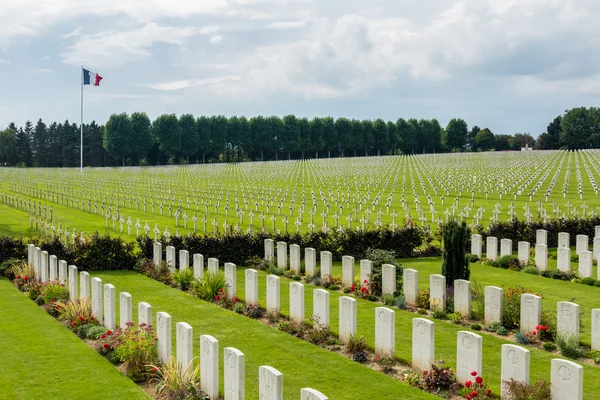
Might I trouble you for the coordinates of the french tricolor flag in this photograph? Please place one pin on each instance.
(91, 78)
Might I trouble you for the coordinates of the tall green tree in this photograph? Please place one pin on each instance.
(381, 135)
(117, 134)
(8, 147)
(456, 134)
(166, 130)
(579, 128)
(260, 131)
(244, 143)
(343, 127)
(394, 137)
(23, 145)
(330, 136)
(291, 135)
(203, 131)
(218, 134)
(471, 138)
(305, 136)
(317, 133)
(141, 139)
(484, 140)
(454, 263)
(553, 131)
(189, 135)
(277, 128)
(93, 150)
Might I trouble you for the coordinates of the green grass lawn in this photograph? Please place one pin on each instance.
(445, 332)
(302, 364)
(41, 359)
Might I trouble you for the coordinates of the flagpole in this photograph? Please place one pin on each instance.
(81, 125)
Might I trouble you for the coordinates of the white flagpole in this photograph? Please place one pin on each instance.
(81, 126)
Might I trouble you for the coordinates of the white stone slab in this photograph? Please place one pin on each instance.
(62, 271)
(311, 394)
(53, 268)
(45, 272)
(505, 247)
(295, 258)
(270, 383)
(198, 266)
(581, 243)
(310, 261)
(462, 297)
(326, 270)
(437, 292)
(564, 239)
(597, 231)
(385, 332)
(596, 329)
(596, 247)
(515, 365)
(273, 294)
(213, 266)
(144, 314)
(566, 380)
(491, 248)
(321, 307)
(163, 333)
(411, 286)
(251, 287)
(347, 319)
(469, 355)
(541, 257)
(567, 320)
(230, 278)
(585, 264)
(234, 374)
(494, 304)
(366, 270)
(282, 256)
(125, 314)
(564, 259)
(269, 250)
(184, 260)
(388, 279)
(37, 261)
(347, 271)
(296, 302)
(30, 252)
(523, 251)
(184, 349)
(84, 285)
(73, 290)
(531, 312)
(209, 366)
(157, 253)
(476, 245)
(171, 255)
(97, 294)
(541, 237)
(110, 307)
(423, 344)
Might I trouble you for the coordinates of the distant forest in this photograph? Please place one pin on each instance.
(136, 140)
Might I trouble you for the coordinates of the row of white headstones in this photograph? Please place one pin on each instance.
(103, 300)
(586, 257)
(515, 359)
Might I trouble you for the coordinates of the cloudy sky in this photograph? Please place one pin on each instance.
(510, 65)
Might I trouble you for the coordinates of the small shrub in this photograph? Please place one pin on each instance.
(379, 257)
(253, 311)
(522, 338)
(549, 346)
(296, 278)
(210, 286)
(184, 279)
(569, 347)
(319, 334)
(293, 328)
(76, 313)
(502, 331)
(435, 380)
(334, 287)
(588, 281)
(594, 355)
(439, 314)
(421, 311)
(476, 327)
(388, 299)
(400, 302)
(24, 276)
(54, 291)
(372, 297)
(520, 390)
(160, 273)
(346, 289)
(531, 270)
(493, 327)
(423, 299)
(597, 284)
(82, 332)
(455, 317)
(173, 383)
(238, 308)
(471, 258)
(272, 316)
(386, 364)
(509, 262)
(94, 332)
(356, 344)
(360, 357)
(512, 306)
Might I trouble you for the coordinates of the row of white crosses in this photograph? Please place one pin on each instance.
(346, 193)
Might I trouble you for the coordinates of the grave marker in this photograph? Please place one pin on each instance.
(230, 278)
(491, 248)
(251, 287)
(110, 308)
(494, 304)
(310, 261)
(385, 332)
(564, 239)
(564, 259)
(347, 319)
(273, 294)
(326, 270)
(581, 244)
(505, 247)
(73, 292)
(269, 250)
(184, 260)
(437, 292)
(144, 314)
(209, 366)
(515, 365)
(234, 374)
(476, 245)
(125, 314)
(566, 380)
(347, 271)
(282, 255)
(296, 302)
(567, 320)
(411, 286)
(321, 307)
(213, 266)
(585, 264)
(184, 347)
(84, 285)
(388, 279)
(270, 383)
(541, 257)
(163, 332)
(531, 313)
(523, 251)
(171, 258)
(157, 253)
(469, 355)
(295, 258)
(462, 297)
(198, 266)
(423, 344)
(97, 293)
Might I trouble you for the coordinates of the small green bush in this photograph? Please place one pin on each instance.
(502, 331)
(549, 346)
(238, 308)
(296, 278)
(184, 279)
(455, 317)
(597, 284)
(509, 262)
(471, 258)
(94, 332)
(439, 314)
(521, 338)
(476, 327)
(541, 390)
(569, 347)
(594, 355)
(423, 298)
(54, 291)
(588, 281)
(421, 311)
(388, 299)
(493, 327)
(531, 270)
(356, 344)
(210, 286)
(335, 287)
(347, 289)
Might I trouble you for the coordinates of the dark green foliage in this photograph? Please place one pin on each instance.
(569, 347)
(588, 281)
(378, 258)
(476, 327)
(519, 390)
(12, 248)
(509, 262)
(549, 346)
(454, 264)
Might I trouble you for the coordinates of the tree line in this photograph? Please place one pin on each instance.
(136, 140)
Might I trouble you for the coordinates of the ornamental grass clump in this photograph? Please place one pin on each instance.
(211, 287)
(75, 313)
(174, 384)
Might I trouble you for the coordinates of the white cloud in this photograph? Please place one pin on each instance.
(216, 39)
(287, 24)
(536, 86)
(184, 84)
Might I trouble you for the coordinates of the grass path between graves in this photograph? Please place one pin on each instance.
(553, 291)
(41, 359)
(302, 364)
(445, 336)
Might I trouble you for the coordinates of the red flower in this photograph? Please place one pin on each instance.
(105, 345)
(26, 277)
(473, 394)
(18, 276)
(109, 332)
(489, 392)
(154, 369)
(364, 289)
(235, 298)
(365, 281)
(474, 373)
(538, 327)
(468, 397)
(102, 336)
(217, 297)
(534, 333)
(73, 323)
(479, 379)
(468, 384)
(377, 358)
(81, 318)
(527, 335)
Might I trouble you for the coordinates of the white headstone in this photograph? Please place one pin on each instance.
(213, 266)
(295, 258)
(581, 244)
(234, 374)
(541, 257)
(321, 307)
(411, 286)
(469, 355)
(270, 383)
(494, 304)
(596, 329)
(184, 260)
(171, 254)
(198, 266)
(596, 247)
(125, 314)
(97, 294)
(476, 245)
(230, 278)
(515, 365)
(30, 252)
(347, 318)
(564, 259)
(462, 297)
(564, 239)
(505, 247)
(251, 287)
(273, 294)
(144, 314)
(326, 270)
(585, 264)
(184, 347)
(388, 279)
(523, 252)
(366, 270)
(423, 344)
(385, 332)
(157, 253)
(37, 261)
(282, 255)
(567, 320)
(163, 332)
(73, 292)
(437, 292)
(597, 231)
(209, 366)
(45, 273)
(84, 285)
(347, 271)
(296, 302)
(310, 261)
(541, 237)
(110, 307)
(311, 394)
(53, 268)
(566, 380)
(62, 271)
(269, 250)
(491, 248)
(531, 312)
